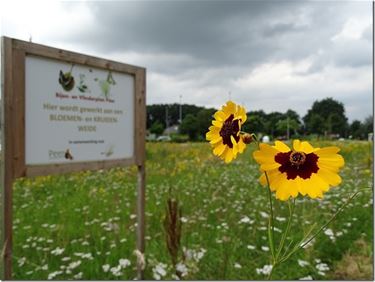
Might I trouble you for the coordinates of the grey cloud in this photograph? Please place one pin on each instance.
(203, 46)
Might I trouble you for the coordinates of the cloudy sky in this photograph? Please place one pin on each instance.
(270, 55)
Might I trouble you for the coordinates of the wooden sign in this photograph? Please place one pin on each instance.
(64, 112)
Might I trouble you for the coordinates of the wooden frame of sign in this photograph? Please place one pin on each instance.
(13, 107)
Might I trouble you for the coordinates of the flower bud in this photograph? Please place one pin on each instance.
(247, 138)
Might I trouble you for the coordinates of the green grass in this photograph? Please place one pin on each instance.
(91, 215)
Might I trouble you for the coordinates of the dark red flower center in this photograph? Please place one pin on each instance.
(230, 128)
(297, 164)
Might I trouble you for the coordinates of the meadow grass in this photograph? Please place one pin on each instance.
(80, 225)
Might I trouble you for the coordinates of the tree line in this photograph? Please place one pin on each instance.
(326, 118)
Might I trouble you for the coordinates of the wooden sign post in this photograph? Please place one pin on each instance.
(63, 112)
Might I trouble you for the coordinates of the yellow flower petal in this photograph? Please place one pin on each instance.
(263, 179)
(241, 146)
(266, 153)
(303, 146)
(229, 108)
(286, 190)
(269, 166)
(217, 123)
(221, 116)
(327, 151)
(214, 129)
(228, 155)
(330, 177)
(234, 149)
(219, 149)
(315, 186)
(216, 140)
(281, 147)
(333, 160)
(241, 113)
(212, 135)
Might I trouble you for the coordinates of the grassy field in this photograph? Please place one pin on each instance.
(82, 225)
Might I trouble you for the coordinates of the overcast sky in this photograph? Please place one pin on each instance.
(270, 55)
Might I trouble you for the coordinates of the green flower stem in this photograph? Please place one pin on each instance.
(270, 222)
(287, 229)
(301, 245)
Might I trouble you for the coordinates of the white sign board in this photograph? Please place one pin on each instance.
(75, 113)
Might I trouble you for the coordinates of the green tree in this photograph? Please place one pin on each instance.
(368, 125)
(204, 120)
(356, 130)
(288, 126)
(256, 122)
(326, 117)
(272, 119)
(189, 126)
(157, 128)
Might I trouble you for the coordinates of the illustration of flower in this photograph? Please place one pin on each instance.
(82, 87)
(105, 85)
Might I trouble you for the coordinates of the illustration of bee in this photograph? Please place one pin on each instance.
(68, 155)
(66, 79)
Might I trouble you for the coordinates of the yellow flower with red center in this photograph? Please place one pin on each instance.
(302, 170)
(224, 134)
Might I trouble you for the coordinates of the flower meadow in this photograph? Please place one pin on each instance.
(82, 225)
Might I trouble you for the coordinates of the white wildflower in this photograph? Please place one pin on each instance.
(303, 263)
(74, 264)
(124, 263)
(281, 219)
(65, 258)
(54, 274)
(266, 270)
(57, 251)
(184, 219)
(180, 267)
(237, 265)
(78, 276)
(263, 214)
(21, 261)
(106, 267)
(246, 219)
(116, 271)
(322, 267)
(200, 254)
(265, 248)
(159, 269)
(329, 232)
(321, 273)
(251, 247)
(308, 277)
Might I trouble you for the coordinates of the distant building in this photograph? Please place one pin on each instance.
(370, 137)
(171, 130)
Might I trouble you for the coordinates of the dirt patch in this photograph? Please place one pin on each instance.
(356, 264)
